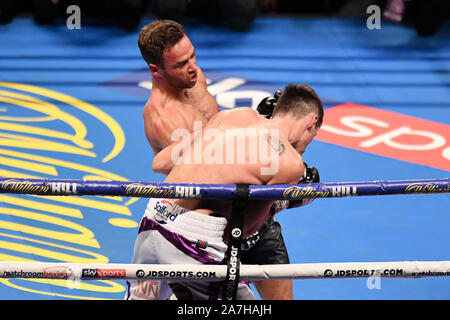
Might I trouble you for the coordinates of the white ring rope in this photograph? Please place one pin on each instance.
(193, 272)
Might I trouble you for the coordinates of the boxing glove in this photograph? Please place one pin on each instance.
(310, 175)
(265, 107)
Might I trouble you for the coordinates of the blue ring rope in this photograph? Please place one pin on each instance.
(221, 191)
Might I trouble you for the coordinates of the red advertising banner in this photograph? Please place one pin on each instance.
(388, 134)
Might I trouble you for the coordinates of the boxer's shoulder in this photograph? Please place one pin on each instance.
(240, 114)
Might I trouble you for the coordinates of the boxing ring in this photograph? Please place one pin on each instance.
(94, 80)
(239, 194)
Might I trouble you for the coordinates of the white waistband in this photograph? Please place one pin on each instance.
(190, 224)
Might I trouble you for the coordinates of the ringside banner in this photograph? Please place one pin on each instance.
(387, 134)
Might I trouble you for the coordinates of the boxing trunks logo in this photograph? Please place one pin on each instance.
(164, 212)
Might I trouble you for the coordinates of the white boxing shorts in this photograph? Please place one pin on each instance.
(170, 234)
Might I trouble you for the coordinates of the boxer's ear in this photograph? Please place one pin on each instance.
(312, 120)
(155, 70)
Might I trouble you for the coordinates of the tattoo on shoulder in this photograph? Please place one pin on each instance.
(275, 144)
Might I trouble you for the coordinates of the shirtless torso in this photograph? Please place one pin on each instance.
(164, 112)
(289, 167)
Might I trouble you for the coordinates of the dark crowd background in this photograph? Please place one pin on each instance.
(426, 16)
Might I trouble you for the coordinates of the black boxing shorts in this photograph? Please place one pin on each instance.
(265, 246)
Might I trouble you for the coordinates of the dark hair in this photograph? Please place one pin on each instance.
(300, 100)
(157, 36)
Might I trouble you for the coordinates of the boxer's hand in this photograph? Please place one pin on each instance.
(310, 175)
(265, 107)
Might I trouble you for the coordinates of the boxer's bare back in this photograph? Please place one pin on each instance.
(269, 135)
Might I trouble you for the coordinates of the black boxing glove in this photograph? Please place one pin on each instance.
(265, 107)
(310, 175)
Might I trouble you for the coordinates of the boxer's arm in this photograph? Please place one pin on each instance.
(202, 78)
(310, 175)
(158, 131)
(174, 154)
(162, 162)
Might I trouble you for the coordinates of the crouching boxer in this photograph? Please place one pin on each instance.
(267, 245)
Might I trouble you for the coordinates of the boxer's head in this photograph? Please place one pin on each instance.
(169, 53)
(304, 107)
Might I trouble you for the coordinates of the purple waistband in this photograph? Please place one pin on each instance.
(181, 243)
